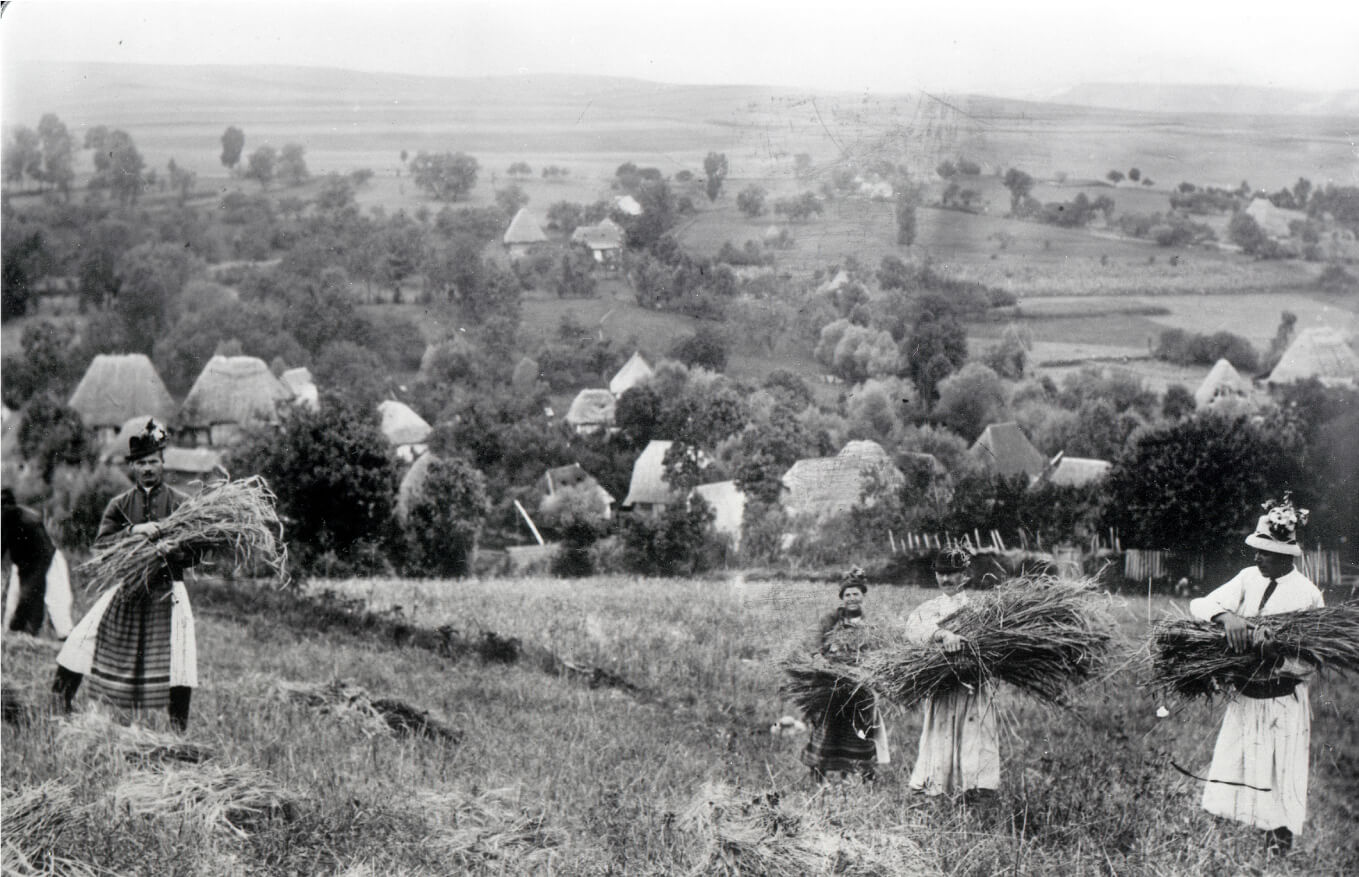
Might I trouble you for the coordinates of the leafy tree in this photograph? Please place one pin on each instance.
(50, 433)
(22, 155)
(520, 169)
(751, 201)
(182, 180)
(292, 165)
(445, 176)
(50, 362)
(1114, 176)
(907, 198)
(1246, 233)
(715, 166)
(181, 352)
(799, 208)
(706, 348)
(766, 449)
(262, 166)
(119, 166)
(150, 279)
(1301, 189)
(1020, 185)
(445, 519)
(575, 275)
(1195, 485)
(319, 311)
(565, 217)
(25, 257)
(335, 193)
(637, 414)
(510, 199)
(681, 542)
(856, 353)
(58, 153)
(969, 399)
(335, 476)
(946, 169)
(1134, 175)
(1009, 358)
(1178, 402)
(233, 142)
(936, 347)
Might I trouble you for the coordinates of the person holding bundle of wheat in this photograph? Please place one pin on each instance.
(137, 643)
(1259, 770)
(850, 738)
(959, 741)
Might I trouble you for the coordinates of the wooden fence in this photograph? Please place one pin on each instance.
(1322, 566)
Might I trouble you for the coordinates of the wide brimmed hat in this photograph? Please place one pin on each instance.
(953, 560)
(1277, 529)
(151, 440)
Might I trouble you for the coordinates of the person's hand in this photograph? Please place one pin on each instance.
(151, 530)
(951, 641)
(1239, 633)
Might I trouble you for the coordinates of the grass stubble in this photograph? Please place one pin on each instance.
(553, 777)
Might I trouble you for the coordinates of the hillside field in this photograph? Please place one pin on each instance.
(551, 776)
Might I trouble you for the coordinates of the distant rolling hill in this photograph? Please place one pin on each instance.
(1231, 99)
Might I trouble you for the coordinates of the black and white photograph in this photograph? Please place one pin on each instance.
(756, 439)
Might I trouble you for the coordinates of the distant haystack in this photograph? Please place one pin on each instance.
(635, 371)
(232, 393)
(303, 386)
(118, 386)
(627, 205)
(591, 411)
(729, 505)
(1320, 353)
(524, 234)
(1223, 384)
(822, 487)
(1006, 451)
(407, 431)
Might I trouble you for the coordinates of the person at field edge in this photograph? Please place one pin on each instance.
(959, 740)
(137, 643)
(1259, 770)
(36, 574)
(851, 739)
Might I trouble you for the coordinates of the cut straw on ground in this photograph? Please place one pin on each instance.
(726, 832)
(373, 715)
(1191, 659)
(232, 519)
(95, 731)
(223, 798)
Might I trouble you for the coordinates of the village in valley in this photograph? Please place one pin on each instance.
(557, 409)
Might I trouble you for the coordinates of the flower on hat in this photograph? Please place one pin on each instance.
(1283, 518)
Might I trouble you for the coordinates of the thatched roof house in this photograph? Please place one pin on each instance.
(413, 484)
(821, 487)
(1006, 451)
(604, 241)
(1321, 353)
(591, 411)
(1274, 221)
(574, 477)
(303, 386)
(1223, 383)
(635, 371)
(117, 386)
(648, 490)
(729, 505)
(231, 393)
(524, 233)
(1076, 471)
(407, 431)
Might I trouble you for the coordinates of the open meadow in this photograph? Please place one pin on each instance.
(548, 775)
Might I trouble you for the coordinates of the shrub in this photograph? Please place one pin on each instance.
(444, 520)
(680, 542)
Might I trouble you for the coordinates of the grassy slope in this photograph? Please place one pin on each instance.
(1091, 791)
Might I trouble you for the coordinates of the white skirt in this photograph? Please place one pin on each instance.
(77, 655)
(959, 744)
(1263, 743)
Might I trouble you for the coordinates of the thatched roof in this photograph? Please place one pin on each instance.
(1005, 450)
(401, 425)
(1222, 382)
(648, 483)
(1320, 353)
(591, 408)
(635, 371)
(117, 386)
(1273, 220)
(233, 389)
(524, 229)
(729, 504)
(413, 483)
(573, 476)
(1078, 471)
(608, 235)
(826, 486)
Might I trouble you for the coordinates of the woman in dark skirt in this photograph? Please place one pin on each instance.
(850, 739)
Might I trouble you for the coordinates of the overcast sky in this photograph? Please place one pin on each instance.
(1017, 48)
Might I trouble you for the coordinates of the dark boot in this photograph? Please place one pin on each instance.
(1278, 841)
(179, 706)
(64, 687)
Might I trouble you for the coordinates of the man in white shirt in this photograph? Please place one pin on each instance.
(1259, 770)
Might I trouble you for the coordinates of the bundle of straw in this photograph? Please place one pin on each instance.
(1190, 658)
(221, 798)
(35, 820)
(830, 681)
(373, 715)
(235, 518)
(92, 733)
(729, 834)
(474, 831)
(1041, 634)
